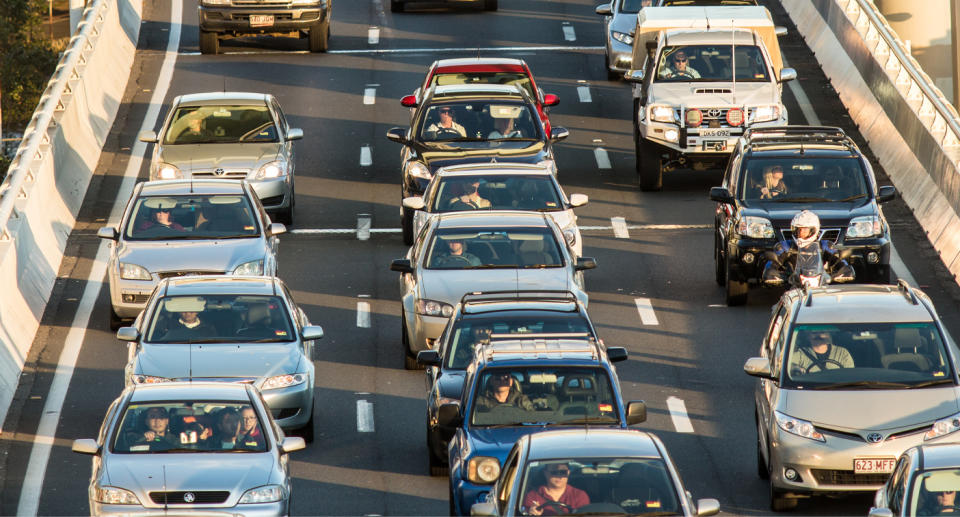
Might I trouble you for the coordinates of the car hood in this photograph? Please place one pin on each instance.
(832, 215)
(145, 473)
(450, 384)
(213, 255)
(218, 360)
(449, 286)
(497, 442)
(870, 410)
(205, 157)
(563, 218)
(624, 22)
(684, 94)
(436, 159)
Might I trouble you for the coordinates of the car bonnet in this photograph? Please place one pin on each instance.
(685, 94)
(205, 157)
(215, 255)
(218, 360)
(449, 285)
(145, 473)
(874, 410)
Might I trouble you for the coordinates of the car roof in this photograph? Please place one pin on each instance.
(197, 186)
(478, 90)
(172, 391)
(216, 98)
(861, 303)
(592, 442)
(221, 284)
(490, 169)
(490, 218)
(942, 455)
(712, 36)
(495, 63)
(517, 350)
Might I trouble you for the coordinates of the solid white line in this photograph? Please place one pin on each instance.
(364, 416)
(46, 430)
(369, 96)
(366, 158)
(803, 101)
(584, 93)
(678, 413)
(620, 227)
(568, 33)
(373, 35)
(603, 159)
(458, 50)
(645, 308)
(363, 314)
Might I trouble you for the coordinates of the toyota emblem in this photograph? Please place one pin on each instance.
(714, 113)
(218, 172)
(189, 497)
(874, 437)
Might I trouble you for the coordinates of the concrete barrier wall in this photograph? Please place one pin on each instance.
(909, 125)
(46, 184)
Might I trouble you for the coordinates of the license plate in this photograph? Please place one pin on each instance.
(713, 145)
(714, 132)
(261, 20)
(873, 465)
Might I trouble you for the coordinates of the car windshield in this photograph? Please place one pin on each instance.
(476, 330)
(220, 319)
(478, 125)
(866, 356)
(935, 492)
(704, 63)
(599, 486)
(804, 180)
(634, 6)
(518, 78)
(163, 218)
(220, 124)
(672, 3)
(189, 427)
(504, 248)
(490, 192)
(543, 396)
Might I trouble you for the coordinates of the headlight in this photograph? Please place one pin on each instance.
(622, 37)
(483, 470)
(571, 237)
(550, 165)
(798, 427)
(755, 227)
(283, 381)
(418, 170)
(113, 495)
(165, 171)
(264, 494)
(943, 427)
(147, 379)
(133, 272)
(271, 170)
(434, 308)
(866, 226)
(254, 267)
(764, 113)
(663, 113)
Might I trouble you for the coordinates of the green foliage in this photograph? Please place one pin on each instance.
(26, 60)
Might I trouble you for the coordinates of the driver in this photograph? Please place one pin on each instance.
(160, 217)
(678, 66)
(447, 125)
(458, 253)
(819, 354)
(470, 199)
(502, 390)
(555, 496)
(944, 503)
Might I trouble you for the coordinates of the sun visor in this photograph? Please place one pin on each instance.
(185, 304)
(160, 202)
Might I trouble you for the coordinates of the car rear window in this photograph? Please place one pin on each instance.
(476, 330)
(498, 77)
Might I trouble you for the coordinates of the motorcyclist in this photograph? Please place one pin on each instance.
(782, 262)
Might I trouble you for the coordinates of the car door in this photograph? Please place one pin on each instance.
(283, 128)
(897, 484)
(767, 389)
(506, 486)
(725, 212)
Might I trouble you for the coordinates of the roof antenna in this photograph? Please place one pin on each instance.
(191, 174)
(224, 84)
(478, 53)
(733, 61)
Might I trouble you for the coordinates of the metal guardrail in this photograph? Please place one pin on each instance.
(35, 146)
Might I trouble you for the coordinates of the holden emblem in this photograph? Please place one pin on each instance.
(874, 437)
(218, 172)
(189, 497)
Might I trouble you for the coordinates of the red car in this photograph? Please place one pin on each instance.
(485, 70)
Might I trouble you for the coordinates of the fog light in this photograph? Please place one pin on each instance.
(672, 135)
(873, 257)
(129, 298)
(748, 258)
(791, 475)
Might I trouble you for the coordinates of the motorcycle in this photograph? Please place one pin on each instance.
(804, 266)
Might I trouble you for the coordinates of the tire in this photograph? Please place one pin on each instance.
(720, 265)
(209, 42)
(779, 503)
(453, 508)
(320, 38)
(115, 321)
(409, 360)
(649, 168)
(737, 291)
(490, 5)
(437, 467)
(285, 216)
(396, 6)
(306, 432)
(406, 223)
(763, 468)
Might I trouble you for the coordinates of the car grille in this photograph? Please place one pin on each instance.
(277, 17)
(830, 234)
(202, 497)
(262, 3)
(847, 477)
(222, 175)
(174, 274)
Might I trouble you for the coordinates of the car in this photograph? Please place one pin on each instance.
(477, 318)
(475, 111)
(506, 186)
(398, 6)
(228, 329)
(924, 482)
(461, 252)
(702, 76)
(848, 378)
(186, 470)
(551, 383)
(619, 25)
(220, 19)
(229, 135)
(622, 472)
(823, 171)
(485, 70)
(213, 227)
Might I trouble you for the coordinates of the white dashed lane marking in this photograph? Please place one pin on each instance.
(370, 94)
(363, 311)
(366, 157)
(603, 159)
(364, 416)
(620, 228)
(568, 32)
(645, 309)
(678, 413)
(363, 227)
(373, 35)
(584, 93)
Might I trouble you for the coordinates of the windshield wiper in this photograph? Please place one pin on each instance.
(851, 198)
(862, 384)
(206, 341)
(516, 424)
(494, 266)
(587, 420)
(934, 382)
(801, 200)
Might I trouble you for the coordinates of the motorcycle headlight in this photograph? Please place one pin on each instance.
(133, 272)
(662, 113)
(434, 308)
(147, 379)
(798, 427)
(550, 165)
(866, 226)
(283, 381)
(483, 470)
(165, 171)
(571, 236)
(273, 169)
(113, 495)
(764, 113)
(254, 267)
(418, 170)
(263, 494)
(755, 227)
(622, 37)
(943, 427)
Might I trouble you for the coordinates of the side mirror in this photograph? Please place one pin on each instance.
(484, 509)
(128, 334)
(409, 101)
(108, 232)
(149, 137)
(633, 75)
(886, 193)
(401, 266)
(294, 133)
(86, 446)
(578, 200)
(276, 229)
(787, 74)
(585, 263)
(292, 444)
(757, 367)
(636, 412)
(448, 415)
(721, 195)
(604, 10)
(707, 507)
(311, 332)
(558, 133)
(880, 512)
(780, 31)
(397, 134)
(428, 358)
(615, 354)
(413, 203)
(550, 100)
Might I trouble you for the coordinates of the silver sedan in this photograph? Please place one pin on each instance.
(619, 23)
(186, 227)
(189, 448)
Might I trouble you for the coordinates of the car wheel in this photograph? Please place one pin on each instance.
(763, 469)
(720, 265)
(209, 42)
(490, 5)
(306, 432)
(285, 215)
(649, 167)
(453, 507)
(612, 75)
(319, 38)
(409, 360)
(396, 7)
(406, 223)
(115, 320)
(437, 468)
(737, 290)
(779, 502)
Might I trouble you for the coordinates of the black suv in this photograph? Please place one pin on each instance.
(490, 123)
(228, 18)
(776, 172)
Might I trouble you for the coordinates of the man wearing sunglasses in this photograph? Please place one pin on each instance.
(160, 216)
(819, 354)
(555, 496)
(679, 66)
(446, 128)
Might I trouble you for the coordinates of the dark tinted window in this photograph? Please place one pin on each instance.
(514, 192)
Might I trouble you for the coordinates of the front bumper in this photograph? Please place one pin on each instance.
(747, 258)
(466, 494)
(291, 407)
(274, 193)
(424, 328)
(236, 20)
(692, 143)
(251, 510)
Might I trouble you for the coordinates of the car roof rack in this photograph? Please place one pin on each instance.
(907, 292)
(812, 135)
(538, 345)
(523, 295)
(541, 335)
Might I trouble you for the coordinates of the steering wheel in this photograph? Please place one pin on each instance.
(684, 73)
(557, 505)
(449, 259)
(449, 132)
(825, 362)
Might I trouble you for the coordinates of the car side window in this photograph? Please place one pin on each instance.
(897, 485)
(732, 165)
(776, 324)
(419, 243)
(779, 341)
(102, 435)
(506, 480)
(284, 126)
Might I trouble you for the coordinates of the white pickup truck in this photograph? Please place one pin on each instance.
(707, 74)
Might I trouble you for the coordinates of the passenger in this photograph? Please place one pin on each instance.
(188, 327)
(502, 390)
(195, 132)
(819, 354)
(773, 184)
(678, 67)
(503, 128)
(447, 127)
(458, 254)
(226, 432)
(157, 434)
(160, 216)
(250, 435)
(555, 496)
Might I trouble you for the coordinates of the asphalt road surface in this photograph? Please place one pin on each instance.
(686, 362)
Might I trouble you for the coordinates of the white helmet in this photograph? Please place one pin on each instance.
(805, 219)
